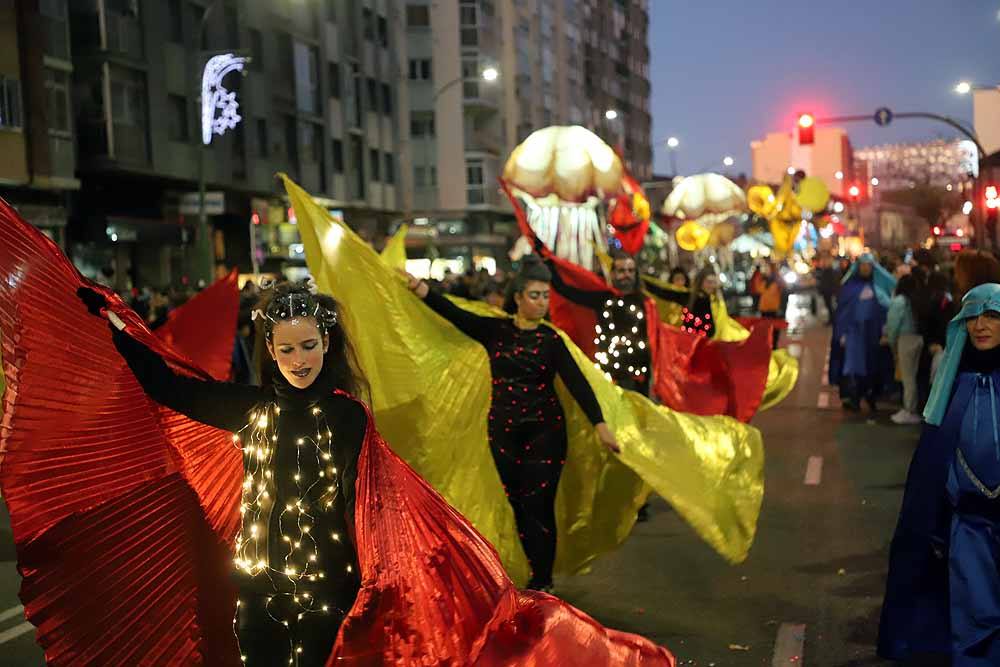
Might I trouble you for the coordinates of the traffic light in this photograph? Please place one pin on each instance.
(807, 125)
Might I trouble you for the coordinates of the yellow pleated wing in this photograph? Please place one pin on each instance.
(431, 393)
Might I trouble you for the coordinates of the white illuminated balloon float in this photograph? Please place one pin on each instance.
(219, 108)
(704, 204)
(560, 176)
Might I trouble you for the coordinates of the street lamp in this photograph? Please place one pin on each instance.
(728, 161)
(839, 175)
(490, 74)
(672, 144)
(611, 114)
(874, 182)
(963, 88)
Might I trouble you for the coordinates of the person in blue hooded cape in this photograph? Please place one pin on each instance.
(859, 364)
(943, 590)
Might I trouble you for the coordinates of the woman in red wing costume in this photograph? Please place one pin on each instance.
(127, 514)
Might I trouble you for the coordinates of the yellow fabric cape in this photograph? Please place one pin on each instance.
(431, 396)
(783, 369)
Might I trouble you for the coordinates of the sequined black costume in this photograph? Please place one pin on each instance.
(296, 562)
(527, 428)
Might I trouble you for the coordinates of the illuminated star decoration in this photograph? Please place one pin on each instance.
(219, 108)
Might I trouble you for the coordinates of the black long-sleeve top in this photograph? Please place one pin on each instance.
(301, 451)
(524, 363)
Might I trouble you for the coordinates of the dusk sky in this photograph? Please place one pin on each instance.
(727, 72)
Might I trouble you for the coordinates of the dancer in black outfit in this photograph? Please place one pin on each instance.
(296, 563)
(527, 429)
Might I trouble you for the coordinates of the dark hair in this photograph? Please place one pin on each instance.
(974, 268)
(532, 269)
(699, 280)
(678, 271)
(286, 301)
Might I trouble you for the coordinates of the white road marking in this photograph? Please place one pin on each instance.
(10, 613)
(823, 400)
(788, 645)
(15, 632)
(814, 471)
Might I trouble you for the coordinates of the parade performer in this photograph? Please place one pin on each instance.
(127, 535)
(431, 392)
(859, 364)
(731, 372)
(527, 427)
(623, 341)
(943, 589)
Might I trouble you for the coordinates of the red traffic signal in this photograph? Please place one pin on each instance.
(807, 125)
(854, 191)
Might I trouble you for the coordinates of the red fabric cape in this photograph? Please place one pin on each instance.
(125, 514)
(214, 309)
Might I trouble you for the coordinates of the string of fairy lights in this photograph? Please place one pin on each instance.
(617, 343)
(297, 523)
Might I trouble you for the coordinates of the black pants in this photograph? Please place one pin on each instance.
(828, 302)
(267, 642)
(530, 458)
(775, 331)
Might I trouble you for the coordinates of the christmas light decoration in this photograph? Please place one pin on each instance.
(219, 108)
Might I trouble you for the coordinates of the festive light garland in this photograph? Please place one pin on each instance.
(610, 359)
(301, 562)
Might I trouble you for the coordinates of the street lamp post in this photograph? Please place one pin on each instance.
(672, 144)
(979, 220)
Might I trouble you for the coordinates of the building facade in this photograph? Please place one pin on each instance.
(900, 166)
(37, 171)
(556, 63)
(318, 100)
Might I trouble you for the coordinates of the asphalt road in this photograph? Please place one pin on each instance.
(810, 592)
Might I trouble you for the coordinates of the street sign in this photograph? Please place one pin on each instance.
(215, 203)
(883, 116)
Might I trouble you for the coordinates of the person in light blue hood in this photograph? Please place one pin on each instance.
(859, 364)
(943, 590)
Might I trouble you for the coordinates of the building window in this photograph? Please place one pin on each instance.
(425, 177)
(195, 15)
(375, 160)
(286, 57)
(312, 144)
(368, 24)
(372, 95)
(257, 49)
(467, 14)
(307, 78)
(53, 9)
(331, 10)
(128, 91)
(386, 99)
(357, 158)
(177, 118)
(335, 80)
(390, 169)
(474, 180)
(422, 123)
(57, 90)
(418, 16)
(10, 103)
(383, 32)
(338, 156)
(420, 69)
(469, 37)
(291, 143)
(175, 19)
(262, 143)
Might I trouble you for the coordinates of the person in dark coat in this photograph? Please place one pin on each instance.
(859, 364)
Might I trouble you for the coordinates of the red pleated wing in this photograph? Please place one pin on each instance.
(435, 593)
(123, 513)
(709, 377)
(212, 311)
